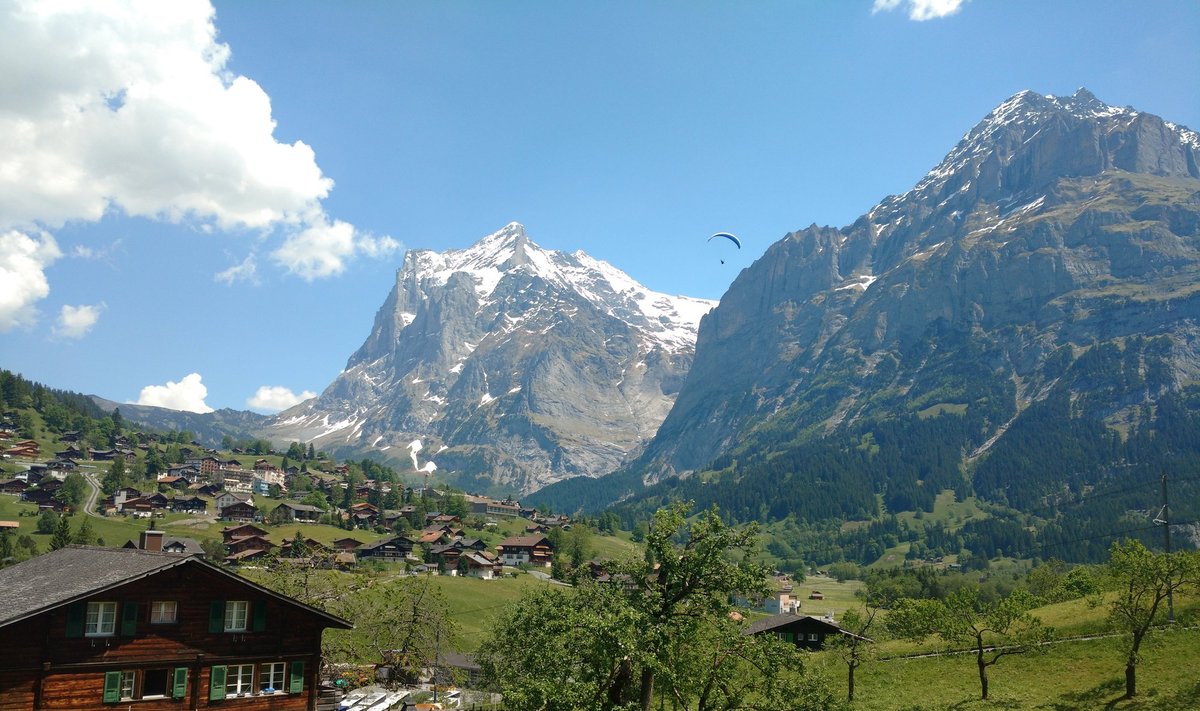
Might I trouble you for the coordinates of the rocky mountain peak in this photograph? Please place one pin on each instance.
(522, 364)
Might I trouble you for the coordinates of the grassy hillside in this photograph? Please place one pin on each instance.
(1072, 676)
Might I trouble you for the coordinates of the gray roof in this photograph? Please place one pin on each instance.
(68, 574)
(60, 577)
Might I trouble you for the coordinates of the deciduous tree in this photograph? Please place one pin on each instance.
(1144, 582)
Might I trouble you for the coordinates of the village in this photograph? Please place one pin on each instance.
(339, 520)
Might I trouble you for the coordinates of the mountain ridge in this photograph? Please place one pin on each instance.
(520, 365)
(1056, 225)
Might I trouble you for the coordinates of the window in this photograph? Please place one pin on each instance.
(239, 679)
(154, 683)
(270, 677)
(162, 612)
(235, 616)
(101, 619)
(812, 636)
(128, 679)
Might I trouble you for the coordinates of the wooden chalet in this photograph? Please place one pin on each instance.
(229, 533)
(13, 486)
(240, 511)
(805, 631)
(192, 504)
(168, 544)
(529, 550)
(392, 549)
(288, 512)
(240, 550)
(346, 544)
(73, 453)
(117, 628)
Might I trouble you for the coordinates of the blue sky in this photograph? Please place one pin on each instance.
(199, 202)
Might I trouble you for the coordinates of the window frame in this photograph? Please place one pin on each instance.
(236, 679)
(156, 609)
(268, 674)
(128, 683)
(94, 626)
(813, 637)
(231, 615)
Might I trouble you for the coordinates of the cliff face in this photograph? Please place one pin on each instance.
(1055, 226)
(516, 366)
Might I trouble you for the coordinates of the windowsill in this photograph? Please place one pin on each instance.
(100, 635)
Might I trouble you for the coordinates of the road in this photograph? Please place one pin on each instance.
(89, 507)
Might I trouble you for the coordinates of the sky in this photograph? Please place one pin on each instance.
(204, 205)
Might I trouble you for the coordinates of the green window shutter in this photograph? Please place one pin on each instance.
(216, 616)
(76, 615)
(129, 618)
(179, 685)
(259, 622)
(216, 684)
(296, 679)
(112, 687)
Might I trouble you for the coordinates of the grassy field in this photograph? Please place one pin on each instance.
(1071, 676)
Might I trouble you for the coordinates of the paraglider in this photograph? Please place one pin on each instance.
(731, 237)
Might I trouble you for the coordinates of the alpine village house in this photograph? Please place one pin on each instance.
(93, 628)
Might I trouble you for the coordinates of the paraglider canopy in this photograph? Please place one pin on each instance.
(726, 235)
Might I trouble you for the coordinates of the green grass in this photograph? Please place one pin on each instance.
(475, 604)
(1072, 676)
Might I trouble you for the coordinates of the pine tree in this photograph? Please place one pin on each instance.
(62, 534)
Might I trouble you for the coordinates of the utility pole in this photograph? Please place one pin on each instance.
(1164, 518)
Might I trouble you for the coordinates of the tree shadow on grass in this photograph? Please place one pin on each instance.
(1110, 695)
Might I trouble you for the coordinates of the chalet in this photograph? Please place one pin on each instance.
(228, 498)
(240, 511)
(235, 480)
(185, 546)
(189, 504)
(311, 546)
(44, 498)
(177, 483)
(73, 453)
(805, 631)
(96, 628)
(146, 503)
(393, 549)
(61, 466)
(26, 449)
(13, 486)
(205, 489)
(346, 544)
(72, 436)
(480, 565)
(229, 533)
(288, 512)
(241, 549)
(816, 595)
(530, 550)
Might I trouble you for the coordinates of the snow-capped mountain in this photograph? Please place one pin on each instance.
(514, 364)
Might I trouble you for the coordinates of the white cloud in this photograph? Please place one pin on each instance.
(322, 249)
(920, 10)
(273, 398)
(246, 271)
(188, 395)
(76, 321)
(130, 106)
(23, 260)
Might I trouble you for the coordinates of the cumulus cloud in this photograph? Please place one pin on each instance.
(23, 261)
(188, 395)
(130, 107)
(273, 398)
(76, 321)
(324, 247)
(920, 10)
(246, 270)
